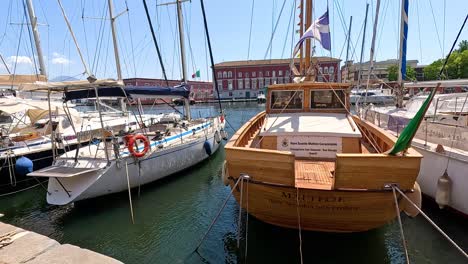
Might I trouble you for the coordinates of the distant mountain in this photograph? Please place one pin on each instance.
(63, 78)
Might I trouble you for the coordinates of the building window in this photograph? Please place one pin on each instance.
(332, 78)
(239, 75)
(254, 84)
(280, 79)
(287, 74)
(320, 70)
(246, 75)
(220, 75)
(254, 74)
(147, 84)
(267, 81)
(240, 84)
(320, 78)
(230, 74)
(247, 83)
(325, 70)
(260, 74)
(267, 73)
(332, 69)
(224, 74)
(273, 74)
(230, 94)
(220, 85)
(280, 73)
(260, 83)
(230, 84)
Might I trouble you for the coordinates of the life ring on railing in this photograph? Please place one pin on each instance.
(131, 144)
(225, 174)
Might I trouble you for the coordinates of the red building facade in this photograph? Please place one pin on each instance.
(246, 79)
(200, 91)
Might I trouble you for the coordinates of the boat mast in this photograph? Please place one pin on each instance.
(308, 41)
(362, 48)
(37, 40)
(123, 105)
(301, 32)
(402, 51)
(182, 55)
(371, 59)
(347, 48)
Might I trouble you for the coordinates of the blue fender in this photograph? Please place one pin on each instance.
(23, 166)
(207, 147)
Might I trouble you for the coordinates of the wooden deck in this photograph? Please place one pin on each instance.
(314, 174)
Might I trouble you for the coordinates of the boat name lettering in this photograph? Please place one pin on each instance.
(310, 198)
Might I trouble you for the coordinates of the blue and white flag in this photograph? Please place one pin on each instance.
(318, 30)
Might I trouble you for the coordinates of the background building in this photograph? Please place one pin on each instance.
(245, 79)
(200, 91)
(350, 71)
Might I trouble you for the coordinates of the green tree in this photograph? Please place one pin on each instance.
(463, 45)
(392, 73)
(431, 71)
(410, 74)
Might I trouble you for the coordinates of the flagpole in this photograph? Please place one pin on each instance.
(362, 48)
(308, 42)
(301, 32)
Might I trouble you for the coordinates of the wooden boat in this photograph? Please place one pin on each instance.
(312, 165)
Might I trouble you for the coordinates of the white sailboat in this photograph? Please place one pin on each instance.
(118, 163)
(441, 138)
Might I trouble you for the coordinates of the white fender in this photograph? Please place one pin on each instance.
(225, 174)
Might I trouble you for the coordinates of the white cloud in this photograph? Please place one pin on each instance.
(19, 60)
(60, 59)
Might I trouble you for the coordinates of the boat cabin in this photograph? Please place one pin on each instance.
(310, 120)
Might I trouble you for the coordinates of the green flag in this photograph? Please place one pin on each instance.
(406, 136)
(196, 74)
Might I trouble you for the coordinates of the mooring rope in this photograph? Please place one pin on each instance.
(432, 222)
(403, 240)
(219, 213)
(299, 224)
(240, 211)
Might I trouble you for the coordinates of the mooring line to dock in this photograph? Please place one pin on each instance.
(299, 224)
(129, 193)
(431, 222)
(240, 211)
(402, 233)
(218, 214)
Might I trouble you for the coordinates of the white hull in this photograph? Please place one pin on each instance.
(433, 167)
(112, 178)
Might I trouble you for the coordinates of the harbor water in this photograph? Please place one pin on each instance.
(172, 215)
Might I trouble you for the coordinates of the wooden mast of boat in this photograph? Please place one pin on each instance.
(402, 53)
(362, 49)
(301, 32)
(308, 43)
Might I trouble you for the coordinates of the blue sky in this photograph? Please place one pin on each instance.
(433, 25)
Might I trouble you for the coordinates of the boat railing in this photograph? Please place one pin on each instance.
(248, 131)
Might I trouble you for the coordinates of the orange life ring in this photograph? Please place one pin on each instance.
(131, 144)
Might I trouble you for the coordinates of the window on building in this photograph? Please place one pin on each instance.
(280, 80)
(332, 69)
(254, 74)
(273, 81)
(239, 75)
(230, 94)
(332, 78)
(260, 83)
(220, 75)
(247, 83)
(267, 81)
(327, 99)
(220, 85)
(230, 84)
(240, 84)
(320, 78)
(325, 70)
(267, 73)
(229, 74)
(280, 73)
(287, 74)
(260, 74)
(246, 75)
(254, 84)
(291, 99)
(147, 84)
(273, 74)
(224, 74)
(320, 70)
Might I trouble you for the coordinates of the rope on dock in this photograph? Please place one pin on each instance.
(219, 213)
(403, 240)
(432, 223)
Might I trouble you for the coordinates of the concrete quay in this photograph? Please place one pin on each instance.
(22, 246)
